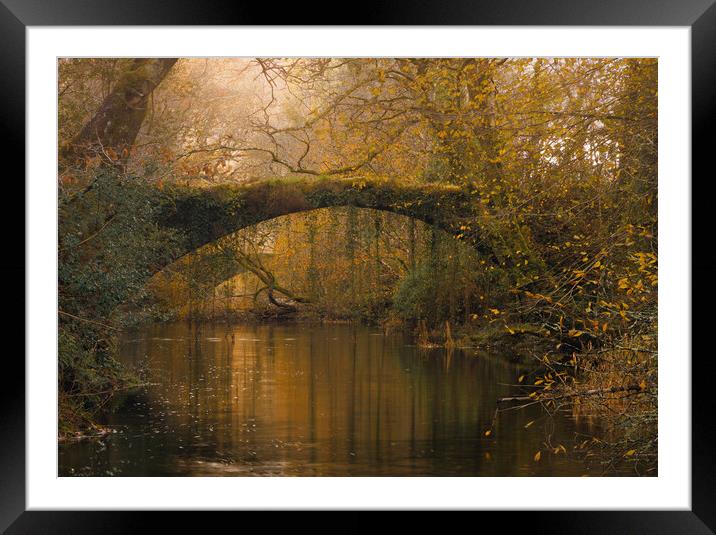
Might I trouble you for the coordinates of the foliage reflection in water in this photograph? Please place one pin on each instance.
(331, 400)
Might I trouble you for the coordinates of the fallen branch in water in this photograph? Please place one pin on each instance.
(99, 432)
(593, 392)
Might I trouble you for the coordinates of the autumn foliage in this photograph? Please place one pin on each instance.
(553, 239)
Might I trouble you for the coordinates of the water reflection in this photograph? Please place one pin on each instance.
(331, 400)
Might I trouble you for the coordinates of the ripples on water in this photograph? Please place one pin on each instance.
(331, 400)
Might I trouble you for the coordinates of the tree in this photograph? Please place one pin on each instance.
(112, 130)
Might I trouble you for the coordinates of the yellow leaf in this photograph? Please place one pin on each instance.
(488, 432)
(629, 453)
(538, 456)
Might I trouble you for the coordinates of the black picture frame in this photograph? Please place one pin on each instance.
(699, 15)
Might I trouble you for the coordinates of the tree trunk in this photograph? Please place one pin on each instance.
(411, 244)
(423, 335)
(449, 342)
(110, 134)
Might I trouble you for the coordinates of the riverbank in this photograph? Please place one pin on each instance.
(616, 385)
(514, 338)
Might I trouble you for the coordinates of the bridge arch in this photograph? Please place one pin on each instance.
(258, 261)
(205, 215)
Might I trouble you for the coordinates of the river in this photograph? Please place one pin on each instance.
(323, 400)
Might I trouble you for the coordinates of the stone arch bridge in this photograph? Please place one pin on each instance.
(203, 215)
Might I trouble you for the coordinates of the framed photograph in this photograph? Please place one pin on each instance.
(440, 259)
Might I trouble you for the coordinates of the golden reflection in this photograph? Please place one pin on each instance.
(318, 400)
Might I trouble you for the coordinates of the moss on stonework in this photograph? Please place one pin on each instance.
(207, 214)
